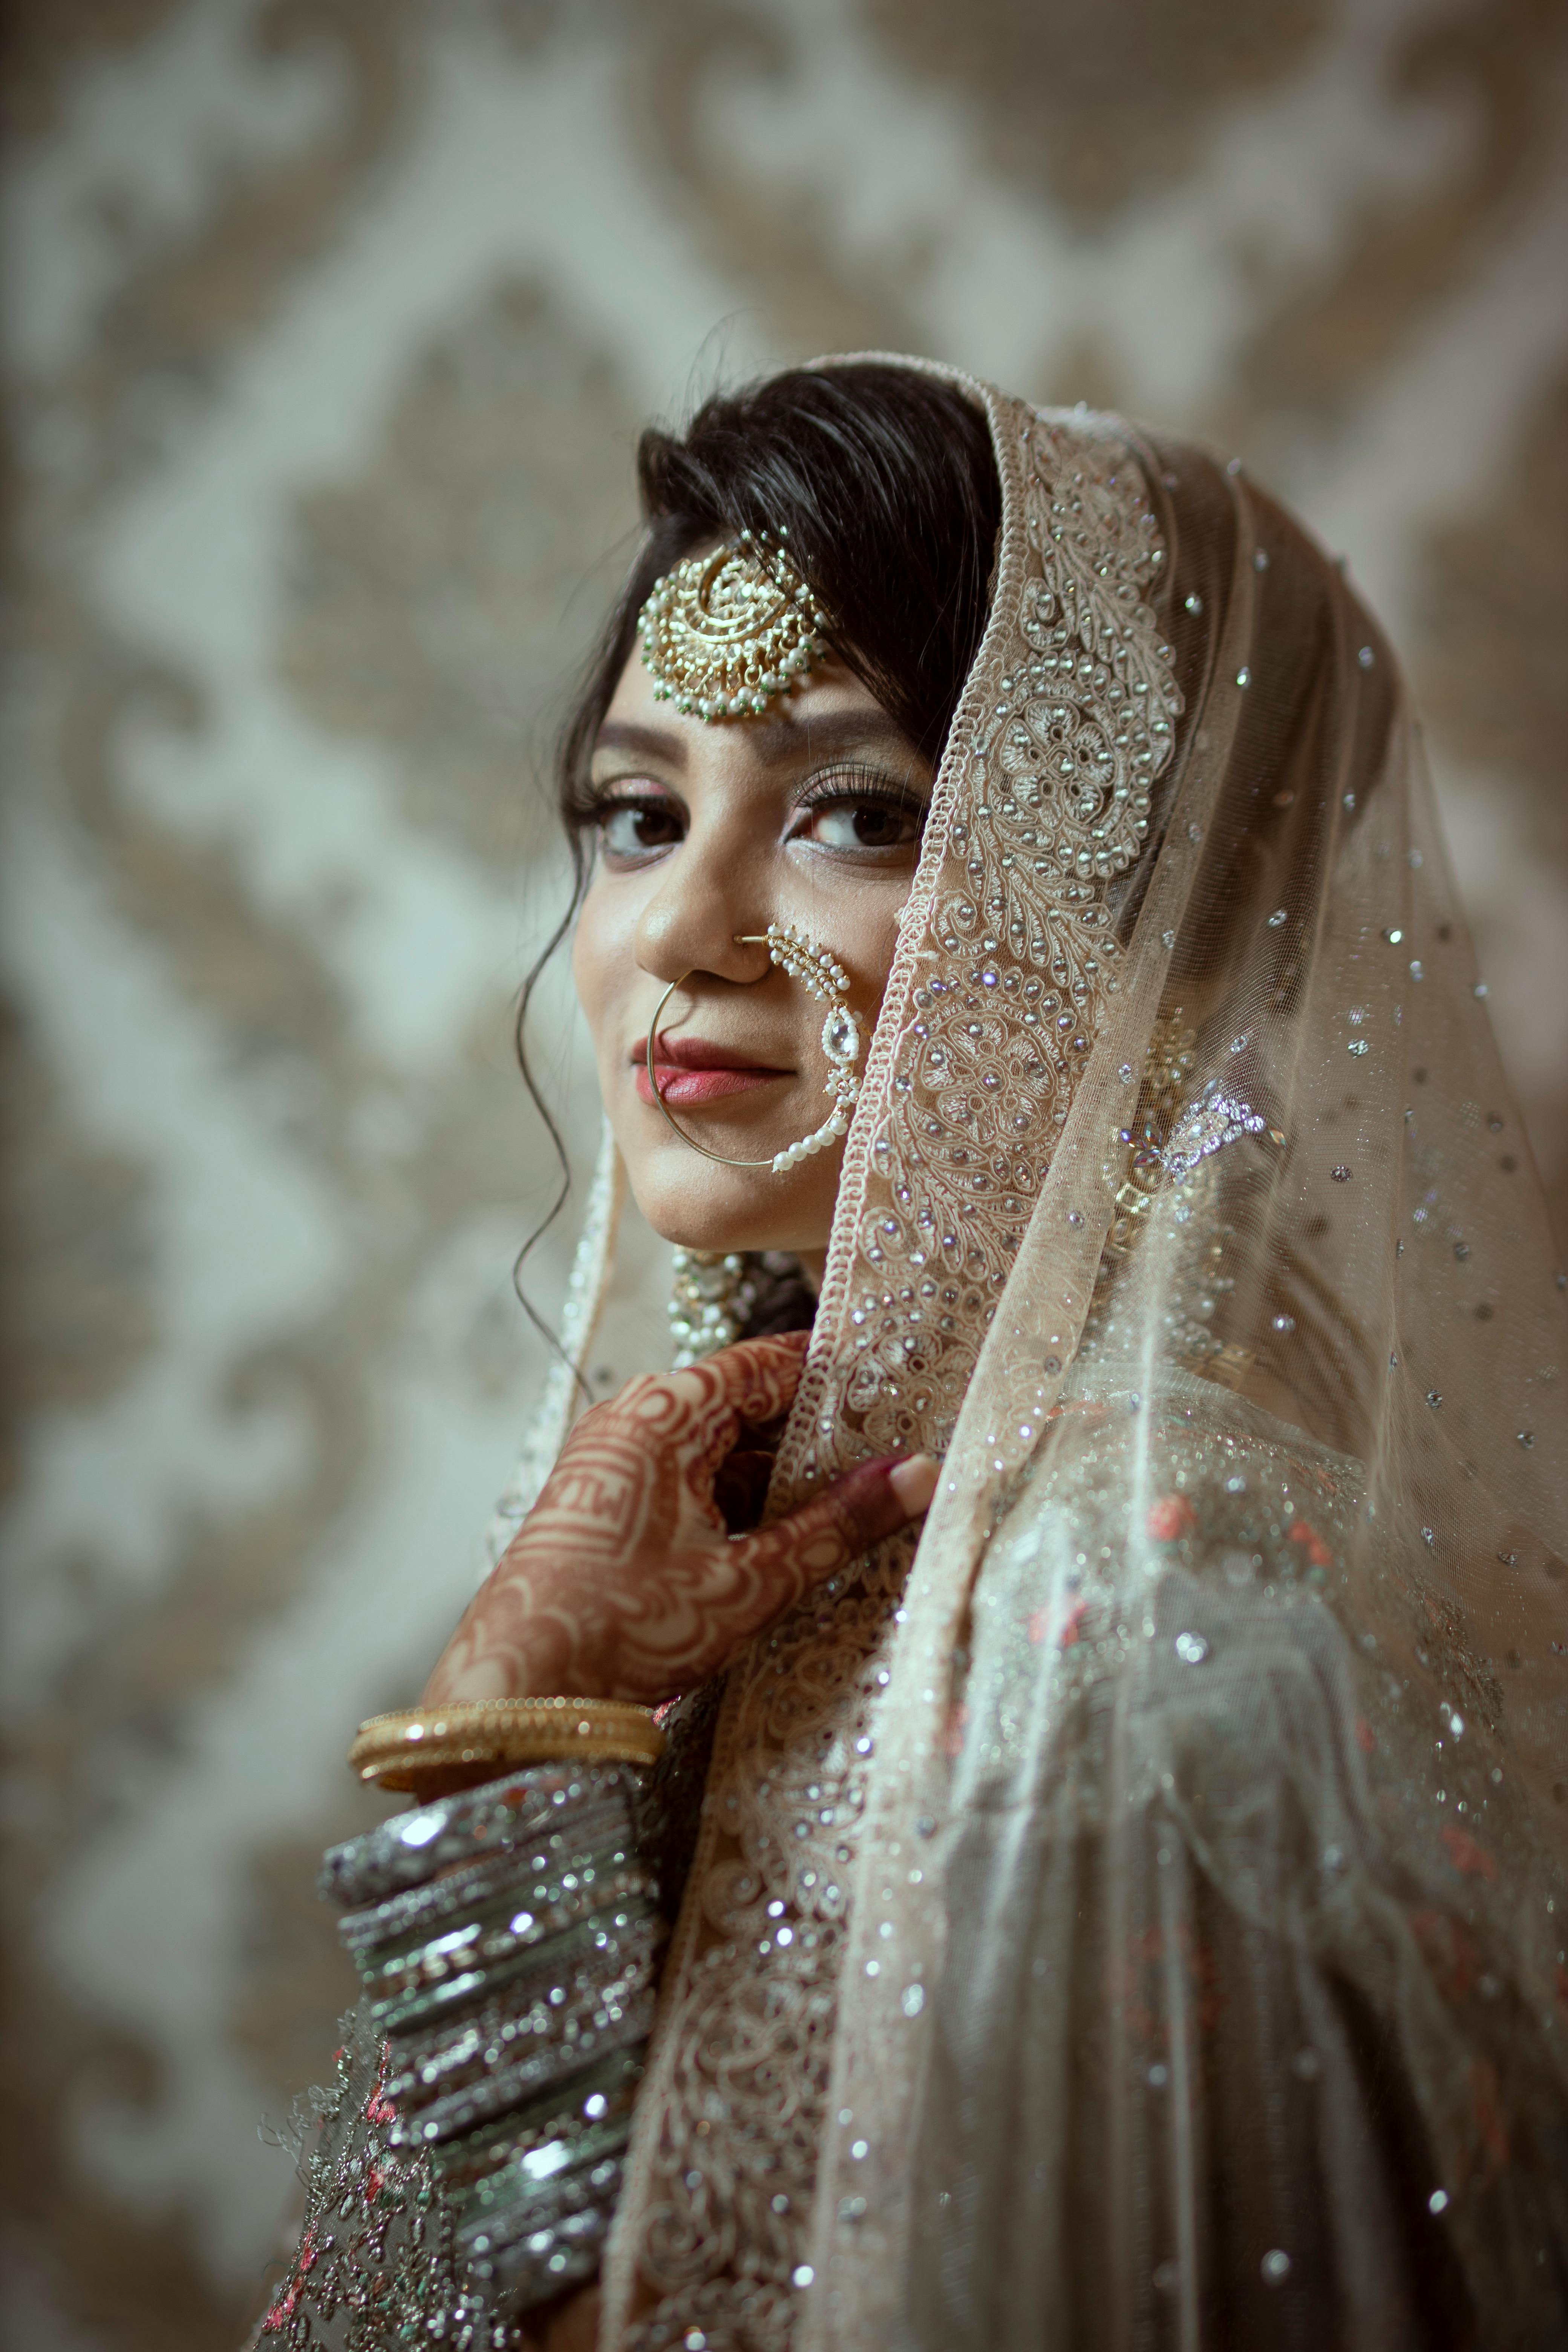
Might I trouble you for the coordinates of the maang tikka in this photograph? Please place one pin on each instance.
(723, 633)
(823, 976)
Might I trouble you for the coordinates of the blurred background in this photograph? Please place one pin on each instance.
(328, 325)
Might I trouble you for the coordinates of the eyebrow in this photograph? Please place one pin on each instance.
(651, 742)
(774, 737)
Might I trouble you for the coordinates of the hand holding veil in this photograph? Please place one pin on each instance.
(625, 1582)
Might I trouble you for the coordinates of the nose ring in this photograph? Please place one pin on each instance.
(822, 975)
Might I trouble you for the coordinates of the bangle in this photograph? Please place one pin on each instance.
(548, 2240)
(560, 2116)
(537, 2033)
(420, 1995)
(533, 1817)
(507, 1942)
(404, 1749)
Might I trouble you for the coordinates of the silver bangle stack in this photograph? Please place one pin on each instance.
(507, 1939)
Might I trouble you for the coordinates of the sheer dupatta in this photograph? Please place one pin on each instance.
(1206, 1971)
(1137, 1922)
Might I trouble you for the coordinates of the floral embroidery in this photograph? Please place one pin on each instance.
(1005, 976)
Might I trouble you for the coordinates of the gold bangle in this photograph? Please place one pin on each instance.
(474, 1739)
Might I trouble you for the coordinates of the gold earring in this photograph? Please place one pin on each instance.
(821, 975)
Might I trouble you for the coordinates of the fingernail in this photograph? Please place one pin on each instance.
(913, 1482)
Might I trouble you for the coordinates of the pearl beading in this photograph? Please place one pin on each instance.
(821, 974)
(721, 633)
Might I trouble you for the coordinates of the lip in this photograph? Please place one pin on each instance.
(691, 1071)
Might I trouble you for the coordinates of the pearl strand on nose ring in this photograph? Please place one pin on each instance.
(823, 976)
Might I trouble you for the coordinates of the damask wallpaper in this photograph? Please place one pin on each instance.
(328, 328)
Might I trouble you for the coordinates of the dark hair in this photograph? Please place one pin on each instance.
(884, 481)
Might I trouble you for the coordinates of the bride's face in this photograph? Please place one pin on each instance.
(809, 814)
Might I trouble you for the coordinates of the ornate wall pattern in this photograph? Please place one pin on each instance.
(328, 328)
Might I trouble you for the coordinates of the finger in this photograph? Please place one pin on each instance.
(703, 1406)
(754, 1381)
(860, 1509)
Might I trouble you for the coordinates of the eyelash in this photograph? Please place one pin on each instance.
(594, 803)
(828, 790)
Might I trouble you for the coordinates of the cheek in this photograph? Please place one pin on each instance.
(601, 967)
(870, 929)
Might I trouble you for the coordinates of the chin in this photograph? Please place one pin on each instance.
(710, 1208)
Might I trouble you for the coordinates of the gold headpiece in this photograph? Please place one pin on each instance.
(723, 633)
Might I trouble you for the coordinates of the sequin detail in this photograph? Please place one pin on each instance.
(1215, 1119)
(992, 1011)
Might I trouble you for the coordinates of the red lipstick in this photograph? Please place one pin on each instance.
(690, 1071)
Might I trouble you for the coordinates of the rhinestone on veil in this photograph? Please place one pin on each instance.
(1134, 1912)
(1007, 959)
(1216, 1723)
(1057, 1885)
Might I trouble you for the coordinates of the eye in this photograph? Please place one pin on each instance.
(853, 817)
(631, 830)
(864, 824)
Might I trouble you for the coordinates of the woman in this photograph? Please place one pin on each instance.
(1140, 1919)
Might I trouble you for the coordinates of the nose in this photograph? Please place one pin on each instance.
(691, 922)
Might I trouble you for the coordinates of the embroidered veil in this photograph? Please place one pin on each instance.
(1139, 1922)
(1136, 1916)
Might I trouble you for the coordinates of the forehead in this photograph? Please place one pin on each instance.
(826, 711)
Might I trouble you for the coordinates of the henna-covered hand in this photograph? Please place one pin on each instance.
(623, 1582)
